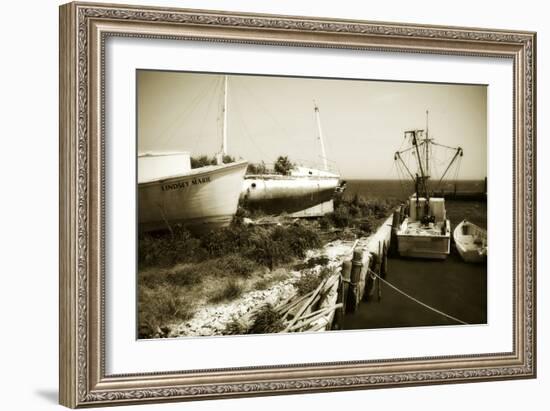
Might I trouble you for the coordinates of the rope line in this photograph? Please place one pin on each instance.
(417, 301)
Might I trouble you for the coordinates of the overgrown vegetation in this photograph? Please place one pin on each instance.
(179, 271)
(282, 166)
(266, 321)
(177, 268)
(203, 161)
(266, 245)
(158, 306)
(229, 291)
(321, 260)
(310, 280)
(257, 168)
(357, 213)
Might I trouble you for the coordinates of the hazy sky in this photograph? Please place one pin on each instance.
(362, 121)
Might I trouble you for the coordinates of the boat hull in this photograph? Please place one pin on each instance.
(203, 199)
(466, 247)
(278, 194)
(426, 246)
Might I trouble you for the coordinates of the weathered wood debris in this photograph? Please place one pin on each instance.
(324, 307)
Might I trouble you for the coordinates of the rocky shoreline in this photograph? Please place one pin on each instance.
(212, 320)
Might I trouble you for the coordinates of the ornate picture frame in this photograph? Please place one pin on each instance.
(84, 29)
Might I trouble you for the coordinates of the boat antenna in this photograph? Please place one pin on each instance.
(320, 131)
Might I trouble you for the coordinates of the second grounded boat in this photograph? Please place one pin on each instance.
(302, 190)
(426, 231)
(471, 242)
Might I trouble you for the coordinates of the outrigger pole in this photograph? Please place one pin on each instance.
(424, 169)
(460, 152)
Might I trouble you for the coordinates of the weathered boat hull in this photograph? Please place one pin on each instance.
(470, 252)
(436, 247)
(202, 199)
(277, 193)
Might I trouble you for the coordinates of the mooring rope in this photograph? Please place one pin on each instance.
(418, 301)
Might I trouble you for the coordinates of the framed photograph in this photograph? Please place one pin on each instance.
(260, 204)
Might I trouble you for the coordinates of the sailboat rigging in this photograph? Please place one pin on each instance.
(170, 191)
(304, 191)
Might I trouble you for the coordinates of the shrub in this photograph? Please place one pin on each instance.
(159, 306)
(236, 327)
(230, 291)
(310, 280)
(185, 276)
(226, 159)
(257, 169)
(312, 262)
(266, 320)
(237, 264)
(283, 166)
(357, 213)
(341, 216)
(203, 161)
(164, 248)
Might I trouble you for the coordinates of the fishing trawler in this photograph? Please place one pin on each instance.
(304, 191)
(425, 231)
(171, 192)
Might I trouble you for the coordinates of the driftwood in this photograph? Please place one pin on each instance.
(305, 305)
(306, 320)
(289, 305)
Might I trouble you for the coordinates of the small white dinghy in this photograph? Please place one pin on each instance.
(471, 242)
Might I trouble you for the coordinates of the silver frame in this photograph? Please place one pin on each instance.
(84, 27)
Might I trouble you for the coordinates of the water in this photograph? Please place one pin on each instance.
(451, 286)
(382, 189)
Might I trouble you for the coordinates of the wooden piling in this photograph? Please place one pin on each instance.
(384, 261)
(346, 278)
(396, 222)
(356, 267)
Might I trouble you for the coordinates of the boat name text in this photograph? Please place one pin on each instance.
(185, 184)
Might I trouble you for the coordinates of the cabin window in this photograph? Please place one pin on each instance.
(253, 185)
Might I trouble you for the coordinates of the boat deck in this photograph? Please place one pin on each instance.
(418, 229)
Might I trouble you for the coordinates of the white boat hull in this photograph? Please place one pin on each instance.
(471, 242)
(423, 245)
(201, 199)
(278, 193)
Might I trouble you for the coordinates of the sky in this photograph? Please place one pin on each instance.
(362, 121)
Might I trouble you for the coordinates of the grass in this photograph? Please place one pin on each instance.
(266, 320)
(158, 306)
(357, 213)
(310, 280)
(228, 292)
(180, 271)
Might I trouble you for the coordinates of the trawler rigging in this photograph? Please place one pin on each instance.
(425, 231)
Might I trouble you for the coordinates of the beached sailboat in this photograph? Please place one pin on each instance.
(171, 192)
(303, 190)
(425, 232)
(471, 242)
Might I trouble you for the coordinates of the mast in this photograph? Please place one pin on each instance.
(224, 124)
(427, 148)
(320, 131)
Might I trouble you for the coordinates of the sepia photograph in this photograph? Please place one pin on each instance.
(272, 204)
